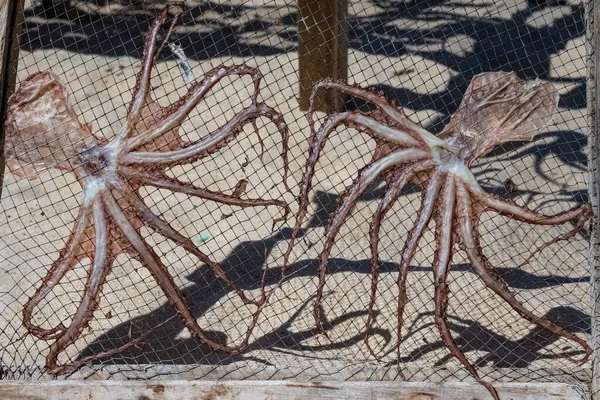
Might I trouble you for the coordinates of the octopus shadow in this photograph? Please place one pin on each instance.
(502, 352)
(213, 29)
(165, 345)
(470, 46)
(117, 28)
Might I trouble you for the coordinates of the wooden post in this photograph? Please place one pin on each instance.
(322, 50)
(11, 12)
(593, 97)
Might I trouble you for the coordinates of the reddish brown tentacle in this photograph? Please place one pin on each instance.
(151, 260)
(412, 241)
(260, 139)
(68, 258)
(165, 229)
(175, 185)
(317, 142)
(346, 204)
(510, 209)
(141, 91)
(172, 26)
(444, 220)
(581, 213)
(175, 114)
(54, 368)
(470, 244)
(318, 139)
(90, 299)
(400, 120)
(391, 195)
(159, 271)
(398, 181)
(579, 225)
(213, 142)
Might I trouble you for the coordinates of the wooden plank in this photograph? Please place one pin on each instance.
(272, 390)
(593, 34)
(322, 50)
(11, 13)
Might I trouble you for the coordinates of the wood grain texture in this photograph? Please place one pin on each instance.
(322, 50)
(272, 390)
(593, 94)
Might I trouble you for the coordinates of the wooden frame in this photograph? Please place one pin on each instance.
(275, 390)
(11, 12)
(593, 94)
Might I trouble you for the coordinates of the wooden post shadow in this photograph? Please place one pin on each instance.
(322, 50)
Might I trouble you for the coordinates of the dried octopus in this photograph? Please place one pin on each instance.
(497, 107)
(43, 131)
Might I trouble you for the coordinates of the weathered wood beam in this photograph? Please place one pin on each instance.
(261, 390)
(11, 14)
(593, 97)
(322, 50)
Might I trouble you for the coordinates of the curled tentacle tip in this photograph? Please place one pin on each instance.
(287, 211)
(585, 358)
(46, 334)
(275, 221)
(257, 76)
(284, 217)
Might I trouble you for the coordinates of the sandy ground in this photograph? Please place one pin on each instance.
(36, 216)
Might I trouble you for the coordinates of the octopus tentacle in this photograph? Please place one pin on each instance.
(180, 110)
(213, 141)
(482, 267)
(89, 301)
(317, 143)
(565, 236)
(160, 273)
(443, 255)
(346, 204)
(419, 134)
(378, 130)
(391, 195)
(165, 229)
(172, 26)
(141, 91)
(72, 367)
(509, 208)
(151, 260)
(410, 246)
(175, 185)
(67, 260)
(581, 213)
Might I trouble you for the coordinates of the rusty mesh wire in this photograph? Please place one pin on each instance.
(422, 55)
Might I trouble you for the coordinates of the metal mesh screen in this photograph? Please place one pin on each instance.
(422, 55)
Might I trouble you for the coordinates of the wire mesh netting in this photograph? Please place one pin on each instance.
(421, 55)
